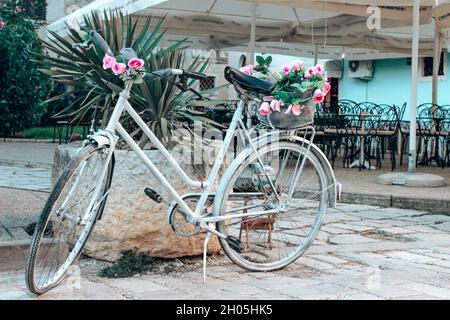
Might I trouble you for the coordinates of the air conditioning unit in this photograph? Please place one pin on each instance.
(360, 69)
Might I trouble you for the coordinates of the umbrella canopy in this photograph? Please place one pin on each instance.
(441, 14)
(299, 24)
(284, 27)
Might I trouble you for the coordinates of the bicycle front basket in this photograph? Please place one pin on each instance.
(281, 120)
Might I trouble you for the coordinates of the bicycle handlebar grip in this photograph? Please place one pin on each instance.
(163, 73)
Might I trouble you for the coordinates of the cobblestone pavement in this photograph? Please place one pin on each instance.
(362, 252)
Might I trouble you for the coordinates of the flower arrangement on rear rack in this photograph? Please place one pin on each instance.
(297, 88)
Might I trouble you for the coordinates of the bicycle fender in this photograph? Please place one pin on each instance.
(103, 138)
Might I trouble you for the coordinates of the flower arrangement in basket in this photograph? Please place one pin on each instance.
(297, 91)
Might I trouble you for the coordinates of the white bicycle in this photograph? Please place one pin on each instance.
(266, 210)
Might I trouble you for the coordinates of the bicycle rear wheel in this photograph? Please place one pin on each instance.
(287, 179)
(68, 218)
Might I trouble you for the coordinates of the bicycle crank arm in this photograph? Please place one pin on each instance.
(212, 229)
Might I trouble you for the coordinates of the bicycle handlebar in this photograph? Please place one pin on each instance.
(195, 75)
(163, 73)
(175, 72)
(96, 39)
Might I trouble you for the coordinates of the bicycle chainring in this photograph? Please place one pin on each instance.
(178, 222)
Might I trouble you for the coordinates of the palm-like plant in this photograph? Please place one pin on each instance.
(158, 101)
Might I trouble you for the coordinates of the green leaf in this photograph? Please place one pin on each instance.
(284, 96)
(260, 60)
(268, 61)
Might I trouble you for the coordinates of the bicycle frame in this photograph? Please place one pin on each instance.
(194, 217)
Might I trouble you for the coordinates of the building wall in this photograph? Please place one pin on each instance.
(391, 85)
(57, 9)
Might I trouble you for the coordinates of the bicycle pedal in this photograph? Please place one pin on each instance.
(153, 195)
(234, 243)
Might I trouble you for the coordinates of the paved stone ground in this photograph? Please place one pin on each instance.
(362, 252)
(36, 179)
(26, 166)
(32, 154)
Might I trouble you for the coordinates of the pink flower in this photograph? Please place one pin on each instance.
(119, 68)
(2, 24)
(286, 69)
(246, 70)
(251, 68)
(296, 110)
(265, 109)
(318, 96)
(136, 63)
(268, 98)
(108, 62)
(310, 71)
(326, 88)
(289, 109)
(275, 105)
(318, 70)
(308, 76)
(297, 65)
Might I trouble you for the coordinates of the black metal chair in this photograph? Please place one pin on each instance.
(430, 135)
(383, 133)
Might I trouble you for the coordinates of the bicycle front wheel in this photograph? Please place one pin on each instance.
(283, 191)
(68, 218)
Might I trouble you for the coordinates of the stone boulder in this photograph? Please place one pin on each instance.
(131, 221)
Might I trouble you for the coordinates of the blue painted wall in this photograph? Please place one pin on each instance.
(391, 85)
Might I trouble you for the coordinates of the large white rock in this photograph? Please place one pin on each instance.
(132, 221)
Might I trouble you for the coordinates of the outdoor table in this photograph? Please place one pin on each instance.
(363, 116)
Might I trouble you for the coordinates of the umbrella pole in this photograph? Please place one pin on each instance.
(413, 179)
(252, 47)
(436, 63)
(316, 52)
(415, 70)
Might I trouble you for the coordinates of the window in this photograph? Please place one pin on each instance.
(426, 67)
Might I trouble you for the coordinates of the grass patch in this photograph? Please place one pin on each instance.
(131, 264)
(46, 133)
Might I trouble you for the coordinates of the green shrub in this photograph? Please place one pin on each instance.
(22, 86)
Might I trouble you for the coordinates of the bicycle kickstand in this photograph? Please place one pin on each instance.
(205, 254)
